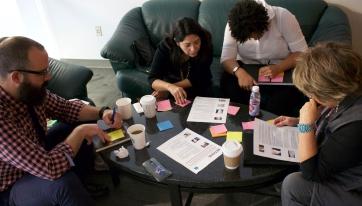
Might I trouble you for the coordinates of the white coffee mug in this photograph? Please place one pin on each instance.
(231, 150)
(137, 134)
(148, 103)
(124, 107)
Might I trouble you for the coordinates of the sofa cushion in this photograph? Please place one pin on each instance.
(215, 23)
(307, 12)
(159, 15)
(118, 47)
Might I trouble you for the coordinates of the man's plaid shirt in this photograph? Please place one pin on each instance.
(20, 149)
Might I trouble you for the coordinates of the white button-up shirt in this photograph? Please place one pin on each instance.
(283, 37)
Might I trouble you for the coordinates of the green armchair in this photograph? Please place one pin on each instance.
(69, 80)
(318, 20)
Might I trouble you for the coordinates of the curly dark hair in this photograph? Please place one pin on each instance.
(247, 17)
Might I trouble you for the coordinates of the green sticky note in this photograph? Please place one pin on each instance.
(238, 136)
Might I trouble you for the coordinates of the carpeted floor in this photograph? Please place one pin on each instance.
(102, 90)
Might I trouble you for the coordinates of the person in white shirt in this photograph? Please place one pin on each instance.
(257, 33)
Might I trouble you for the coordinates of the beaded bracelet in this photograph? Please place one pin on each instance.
(305, 128)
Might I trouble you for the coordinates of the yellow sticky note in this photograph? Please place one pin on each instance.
(270, 121)
(116, 134)
(238, 136)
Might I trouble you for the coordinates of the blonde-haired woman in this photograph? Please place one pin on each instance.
(330, 128)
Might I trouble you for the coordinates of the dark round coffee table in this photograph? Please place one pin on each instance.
(215, 178)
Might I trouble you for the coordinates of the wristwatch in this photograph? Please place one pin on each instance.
(101, 111)
(305, 128)
(235, 69)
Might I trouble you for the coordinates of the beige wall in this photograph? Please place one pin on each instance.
(353, 9)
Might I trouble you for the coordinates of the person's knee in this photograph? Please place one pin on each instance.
(291, 183)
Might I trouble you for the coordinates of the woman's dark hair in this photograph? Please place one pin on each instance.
(183, 27)
(247, 17)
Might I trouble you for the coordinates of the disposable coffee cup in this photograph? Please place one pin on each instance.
(231, 150)
(137, 134)
(124, 107)
(148, 103)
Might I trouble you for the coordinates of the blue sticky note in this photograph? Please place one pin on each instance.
(164, 125)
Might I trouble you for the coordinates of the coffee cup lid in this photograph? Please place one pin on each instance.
(232, 148)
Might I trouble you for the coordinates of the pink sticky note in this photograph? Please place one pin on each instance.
(233, 110)
(248, 125)
(278, 79)
(187, 102)
(164, 105)
(218, 129)
(263, 78)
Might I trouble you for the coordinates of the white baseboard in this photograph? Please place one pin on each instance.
(91, 63)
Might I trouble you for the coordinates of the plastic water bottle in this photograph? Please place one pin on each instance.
(254, 103)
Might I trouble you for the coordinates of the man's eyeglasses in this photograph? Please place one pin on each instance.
(40, 73)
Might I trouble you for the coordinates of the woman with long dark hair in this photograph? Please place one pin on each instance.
(181, 65)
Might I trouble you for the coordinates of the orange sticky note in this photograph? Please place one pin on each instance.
(218, 130)
(233, 110)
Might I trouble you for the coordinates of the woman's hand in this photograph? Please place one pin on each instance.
(270, 71)
(285, 121)
(178, 93)
(308, 114)
(245, 81)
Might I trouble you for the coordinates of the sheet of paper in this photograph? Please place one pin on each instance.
(187, 102)
(164, 105)
(137, 106)
(191, 150)
(233, 135)
(207, 109)
(233, 110)
(275, 142)
(164, 125)
(248, 125)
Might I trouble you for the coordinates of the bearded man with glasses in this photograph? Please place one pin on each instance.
(30, 172)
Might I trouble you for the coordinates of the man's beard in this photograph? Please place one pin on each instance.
(32, 95)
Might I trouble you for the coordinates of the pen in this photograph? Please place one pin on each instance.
(113, 114)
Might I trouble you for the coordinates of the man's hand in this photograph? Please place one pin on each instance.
(245, 81)
(270, 71)
(85, 132)
(285, 121)
(113, 121)
(178, 93)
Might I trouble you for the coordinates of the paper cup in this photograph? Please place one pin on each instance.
(231, 150)
(148, 103)
(124, 107)
(137, 134)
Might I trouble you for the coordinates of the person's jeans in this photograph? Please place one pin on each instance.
(66, 190)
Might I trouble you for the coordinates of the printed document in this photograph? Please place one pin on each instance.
(191, 150)
(211, 110)
(274, 142)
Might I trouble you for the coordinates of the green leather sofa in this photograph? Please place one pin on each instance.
(69, 80)
(318, 20)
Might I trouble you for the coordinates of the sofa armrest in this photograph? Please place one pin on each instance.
(130, 28)
(333, 26)
(69, 80)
